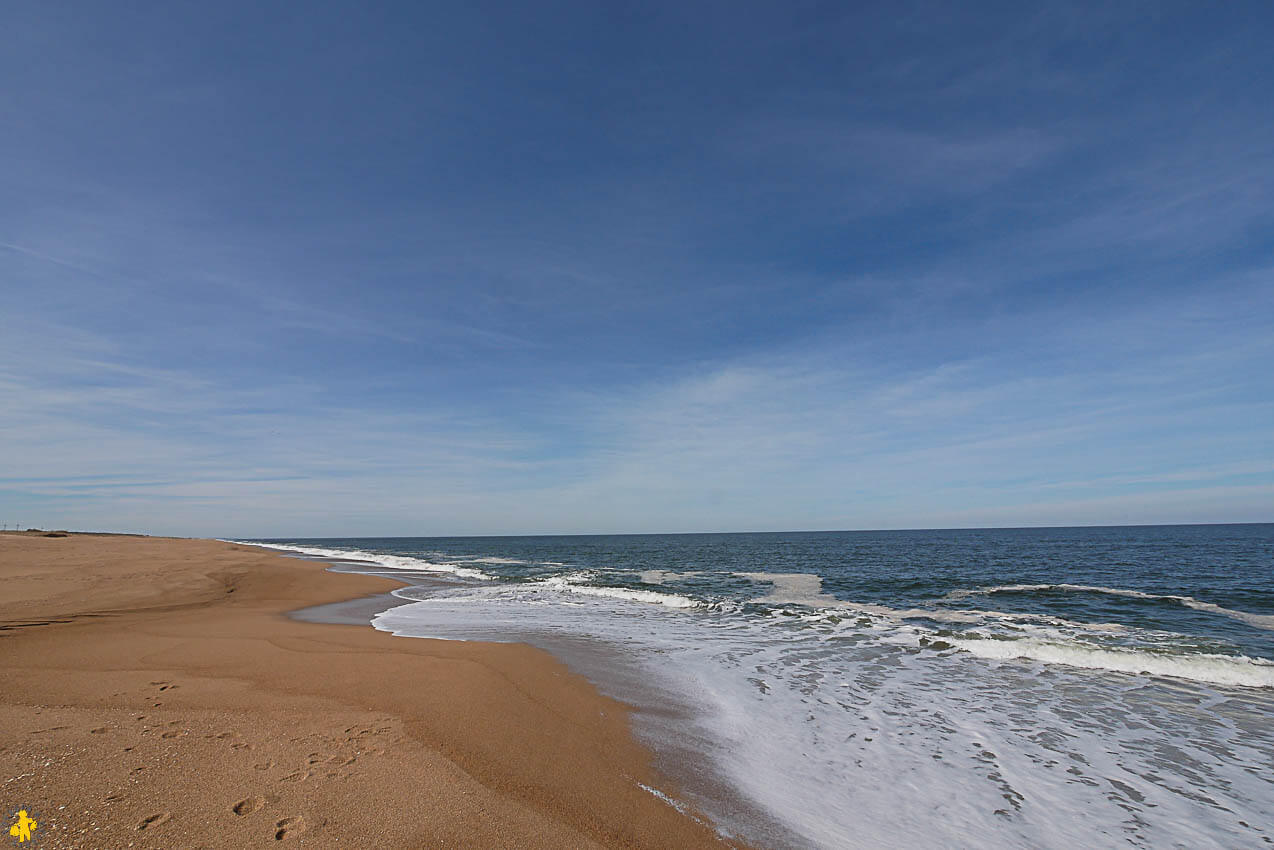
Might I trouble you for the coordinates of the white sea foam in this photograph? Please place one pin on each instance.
(664, 797)
(1198, 667)
(1260, 621)
(393, 562)
(671, 600)
(806, 589)
(850, 735)
(665, 576)
(795, 589)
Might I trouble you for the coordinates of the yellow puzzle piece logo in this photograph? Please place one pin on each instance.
(23, 827)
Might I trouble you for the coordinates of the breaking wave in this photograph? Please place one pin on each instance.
(650, 597)
(1200, 667)
(1260, 621)
(393, 562)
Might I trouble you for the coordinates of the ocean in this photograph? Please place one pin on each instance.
(998, 688)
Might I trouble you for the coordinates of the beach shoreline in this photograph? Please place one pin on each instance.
(157, 693)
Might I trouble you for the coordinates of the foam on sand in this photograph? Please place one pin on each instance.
(793, 712)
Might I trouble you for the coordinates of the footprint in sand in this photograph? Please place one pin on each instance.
(289, 828)
(265, 765)
(98, 731)
(247, 806)
(154, 821)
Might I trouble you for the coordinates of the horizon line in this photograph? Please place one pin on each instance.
(708, 533)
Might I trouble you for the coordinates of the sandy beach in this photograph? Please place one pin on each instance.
(156, 695)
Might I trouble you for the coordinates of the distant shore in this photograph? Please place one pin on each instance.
(155, 694)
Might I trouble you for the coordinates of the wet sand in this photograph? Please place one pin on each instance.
(155, 694)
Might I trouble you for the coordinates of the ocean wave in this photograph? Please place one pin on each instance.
(806, 590)
(1260, 621)
(670, 600)
(1200, 667)
(393, 562)
(798, 706)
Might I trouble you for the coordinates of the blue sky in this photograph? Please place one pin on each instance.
(417, 269)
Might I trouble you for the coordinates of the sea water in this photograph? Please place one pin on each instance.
(1066, 687)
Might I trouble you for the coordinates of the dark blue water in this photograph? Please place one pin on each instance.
(1231, 566)
(1096, 687)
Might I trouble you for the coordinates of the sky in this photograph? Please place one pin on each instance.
(365, 269)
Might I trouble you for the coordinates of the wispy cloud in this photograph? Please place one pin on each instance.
(908, 266)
